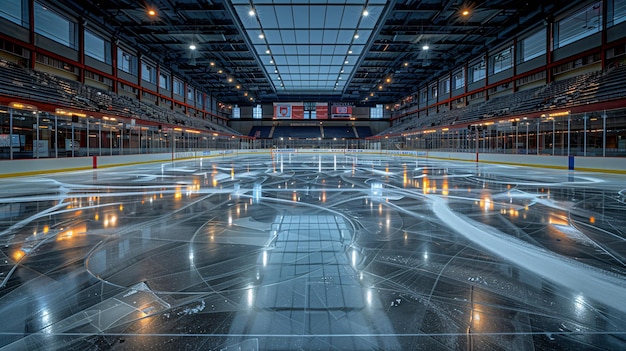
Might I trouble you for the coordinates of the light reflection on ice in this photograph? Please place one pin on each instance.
(412, 256)
(594, 283)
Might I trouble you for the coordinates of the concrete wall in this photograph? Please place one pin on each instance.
(609, 164)
(53, 165)
(596, 164)
(42, 166)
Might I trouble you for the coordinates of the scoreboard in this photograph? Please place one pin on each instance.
(341, 112)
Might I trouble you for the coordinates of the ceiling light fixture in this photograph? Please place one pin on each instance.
(465, 12)
(425, 47)
(251, 12)
(192, 47)
(261, 36)
(366, 13)
(151, 12)
(356, 35)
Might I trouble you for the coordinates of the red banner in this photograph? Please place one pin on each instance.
(321, 112)
(297, 111)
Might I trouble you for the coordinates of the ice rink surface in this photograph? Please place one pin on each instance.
(313, 252)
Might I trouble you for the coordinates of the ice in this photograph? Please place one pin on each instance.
(313, 252)
(575, 276)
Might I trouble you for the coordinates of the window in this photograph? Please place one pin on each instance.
(190, 93)
(424, 95)
(199, 98)
(377, 112)
(444, 86)
(164, 81)
(49, 61)
(257, 112)
(98, 78)
(179, 87)
(619, 11)
(579, 25)
(12, 48)
(477, 72)
(97, 47)
(503, 60)
(433, 92)
(236, 112)
(13, 11)
(458, 79)
(533, 46)
(126, 62)
(148, 72)
(54, 26)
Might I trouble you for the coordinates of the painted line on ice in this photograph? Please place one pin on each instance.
(601, 286)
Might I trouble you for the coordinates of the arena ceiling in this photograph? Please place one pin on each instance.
(365, 52)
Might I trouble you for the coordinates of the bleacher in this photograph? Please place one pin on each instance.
(339, 132)
(612, 84)
(262, 132)
(17, 81)
(592, 87)
(298, 132)
(363, 132)
(310, 132)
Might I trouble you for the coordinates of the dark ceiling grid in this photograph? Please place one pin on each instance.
(397, 39)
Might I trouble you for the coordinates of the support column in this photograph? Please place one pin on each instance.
(514, 82)
(114, 65)
(31, 27)
(81, 50)
(486, 58)
(605, 13)
(549, 48)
